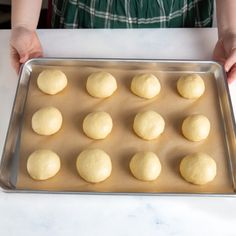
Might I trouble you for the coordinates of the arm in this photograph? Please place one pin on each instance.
(25, 13)
(24, 41)
(225, 50)
(226, 17)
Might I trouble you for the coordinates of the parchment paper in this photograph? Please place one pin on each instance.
(75, 103)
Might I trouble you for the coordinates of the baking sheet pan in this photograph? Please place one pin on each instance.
(122, 143)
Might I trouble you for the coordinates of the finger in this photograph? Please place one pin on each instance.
(23, 50)
(219, 54)
(231, 60)
(23, 53)
(37, 54)
(15, 60)
(27, 57)
(232, 75)
(24, 59)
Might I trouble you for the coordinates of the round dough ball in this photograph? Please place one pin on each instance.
(145, 166)
(148, 125)
(196, 127)
(101, 84)
(43, 164)
(94, 165)
(97, 125)
(145, 86)
(46, 121)
(198, 168)
(191, 86)
(51, 81)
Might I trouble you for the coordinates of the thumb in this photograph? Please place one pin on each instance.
(231, 60)
(24, 58)
(22, 50)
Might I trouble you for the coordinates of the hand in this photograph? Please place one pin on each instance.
(24, 45)
(225, 54)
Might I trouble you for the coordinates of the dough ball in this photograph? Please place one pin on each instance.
(145, 86)
(97, 125)
(94, 165)
(196, 127)
(101, 84)
(198, 168)
(148, 125)
(51, 81)
(43, 164)
(47, 121)
(191, 86)
(145, 166)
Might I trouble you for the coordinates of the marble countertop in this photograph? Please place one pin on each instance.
(64, 214)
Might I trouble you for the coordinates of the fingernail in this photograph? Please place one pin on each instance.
(226, 68)
(24, 59)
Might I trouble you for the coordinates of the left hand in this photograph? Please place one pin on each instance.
(24, 44)
(225, 54)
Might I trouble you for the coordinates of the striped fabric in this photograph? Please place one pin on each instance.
(131, 13)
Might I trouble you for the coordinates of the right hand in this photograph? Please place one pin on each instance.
(24, 45)
(225, 53)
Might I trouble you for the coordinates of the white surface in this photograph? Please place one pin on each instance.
(44, 214)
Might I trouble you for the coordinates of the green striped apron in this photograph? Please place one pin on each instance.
(131, 13)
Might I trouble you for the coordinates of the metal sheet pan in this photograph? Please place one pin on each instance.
(9, 168)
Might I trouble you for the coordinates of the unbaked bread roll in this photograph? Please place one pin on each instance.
(97, 125)
(47, 121)
(101, 84)
(145, 85)
(148, 125)
(196, 127)
(145, 166)
(43, 164)
(191, 86)
(94, 165)
(198, 168)
(51, 81)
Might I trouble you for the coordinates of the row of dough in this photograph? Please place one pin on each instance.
(103, 84)
(98, 125)
(94, 166)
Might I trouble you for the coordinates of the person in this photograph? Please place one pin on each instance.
(25, 44)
